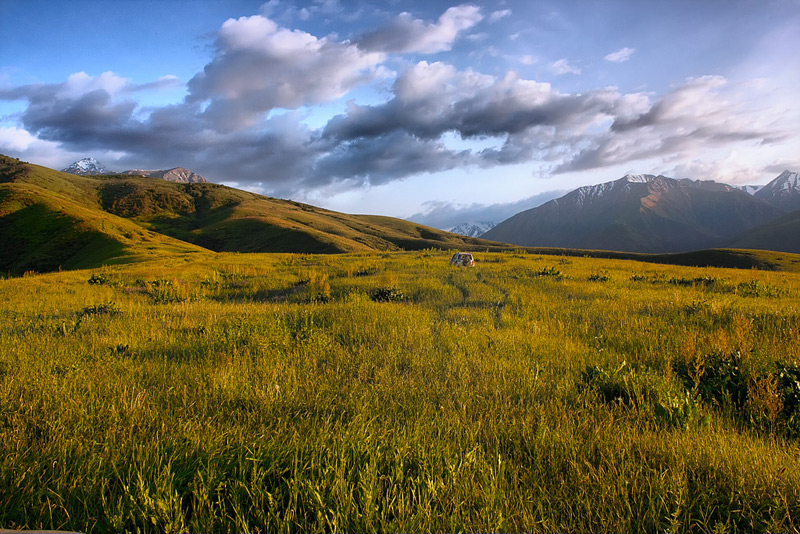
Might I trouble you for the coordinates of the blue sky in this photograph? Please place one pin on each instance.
(444, 112)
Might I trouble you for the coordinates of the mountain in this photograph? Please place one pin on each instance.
(51, 219)
(86, 167)
(783, 192)
(638, 213)
(473, 229)
(177, 174)
(749, 189)
(782, 234)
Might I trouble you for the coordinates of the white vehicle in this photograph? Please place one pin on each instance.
(462, 259)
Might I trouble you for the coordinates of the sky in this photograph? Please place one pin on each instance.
(440, 112)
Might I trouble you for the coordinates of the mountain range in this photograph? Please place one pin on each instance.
(51, 220)
(473, 229)
(92, 167)
(654, 214)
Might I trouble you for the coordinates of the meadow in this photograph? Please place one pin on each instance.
(392, 392)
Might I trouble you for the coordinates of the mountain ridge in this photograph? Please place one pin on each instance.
(175, 174)
(639, 213)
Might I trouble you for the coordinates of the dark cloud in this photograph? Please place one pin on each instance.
(404, 33)
(382, 159)
(79, 121)
(431, 99)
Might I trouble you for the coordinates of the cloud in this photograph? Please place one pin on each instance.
(385, 158)
(259, 66)
(562, 66)
(621, 55)
(244, 117)
(499, 14)
(431, 100)
(701, 114)
(407, 34)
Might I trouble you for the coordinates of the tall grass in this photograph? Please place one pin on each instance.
(275, 393)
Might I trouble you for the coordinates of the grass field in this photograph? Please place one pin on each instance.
(391, 392)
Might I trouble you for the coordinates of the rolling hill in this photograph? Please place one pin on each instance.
(51, 219)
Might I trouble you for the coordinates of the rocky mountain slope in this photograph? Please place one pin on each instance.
(177, 174)
(783, 192)
(639, 213)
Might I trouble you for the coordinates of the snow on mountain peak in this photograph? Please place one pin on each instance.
(86, 166)
(473, 229)
(789, 180)
(638, 178)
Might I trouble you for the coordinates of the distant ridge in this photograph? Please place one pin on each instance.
(473, 229)
(176, 174)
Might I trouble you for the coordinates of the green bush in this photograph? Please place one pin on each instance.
(387, 294)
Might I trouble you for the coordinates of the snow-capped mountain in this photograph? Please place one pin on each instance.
(177, 174)
(473, 229)
(749, 189)
(783, 192)
(86, 166)
(638, 213)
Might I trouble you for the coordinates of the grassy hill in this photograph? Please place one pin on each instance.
(53, 219)
(48, 223)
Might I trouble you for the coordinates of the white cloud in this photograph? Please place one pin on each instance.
(81, 83)
(621, 55)
(259, 66)
(562, 66)
(407, 34)
(499, 14)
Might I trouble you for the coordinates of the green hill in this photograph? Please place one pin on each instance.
(50, 220)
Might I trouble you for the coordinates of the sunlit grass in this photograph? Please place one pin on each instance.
(277, 393)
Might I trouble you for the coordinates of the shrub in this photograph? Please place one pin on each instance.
(716, 377)
(106, 308)
(672, 405)
(754, 288)
(550, 271)
(98, 279)
(387, 294)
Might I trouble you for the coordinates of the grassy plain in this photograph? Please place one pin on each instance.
(391, 392)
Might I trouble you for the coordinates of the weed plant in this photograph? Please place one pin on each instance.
(392, 392)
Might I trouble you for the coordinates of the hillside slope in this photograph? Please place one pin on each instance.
(52, 219)
(45, 229)
(782, 235)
